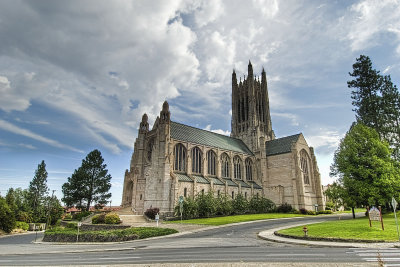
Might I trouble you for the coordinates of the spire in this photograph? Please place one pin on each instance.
(250, 70)
(234, 80)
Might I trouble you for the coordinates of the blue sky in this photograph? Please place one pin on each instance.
(78, 75)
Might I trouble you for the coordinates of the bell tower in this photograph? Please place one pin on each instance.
(251, 117)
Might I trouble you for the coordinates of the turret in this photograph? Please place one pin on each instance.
(165, 114)
(250, 71)
(144, 125)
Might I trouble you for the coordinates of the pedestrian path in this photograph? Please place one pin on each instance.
(384, 257)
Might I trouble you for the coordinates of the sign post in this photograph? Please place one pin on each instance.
(181, 205)
(157, 218)
(77, 235)
(394, 204)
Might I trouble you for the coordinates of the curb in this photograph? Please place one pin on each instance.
(270, 235)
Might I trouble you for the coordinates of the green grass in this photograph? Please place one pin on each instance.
(350, 229)
(349, 211)
(238, 218)
(141, 232)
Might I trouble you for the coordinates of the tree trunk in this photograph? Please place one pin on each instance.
(352, 211)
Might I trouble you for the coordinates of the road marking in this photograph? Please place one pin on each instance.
(382, 259)
(120, 258)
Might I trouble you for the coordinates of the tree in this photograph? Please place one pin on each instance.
(365, 168)
(89, 183)
(376, 101)
(38, 189)
(10, 199)
(7, 219)
(335, 193)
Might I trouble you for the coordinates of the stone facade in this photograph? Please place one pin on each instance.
(173, 159)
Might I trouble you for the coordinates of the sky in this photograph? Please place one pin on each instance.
(78, 75)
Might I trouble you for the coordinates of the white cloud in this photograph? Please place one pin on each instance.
(10, 98)
(370, 19)
(28, 146)
(292, 117)
(6, 126)
(218, 131)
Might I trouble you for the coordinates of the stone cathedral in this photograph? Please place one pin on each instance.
(174, 159)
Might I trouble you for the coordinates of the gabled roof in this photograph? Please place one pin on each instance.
(201, 179)
(190, 134)
(281, 145)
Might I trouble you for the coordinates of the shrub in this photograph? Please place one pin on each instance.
(22, 225)
(99, 218)
(310, 212)
(285, 208)
(325, 212)
(223, 205)
(261, 205)
(72, 225)
(206, 205)
(329, 205)
(112, 218)
(190, 209)
(7, 219)
(79, 216)
(151, 213)
(303, 211)
(240, 204)
(67, 217)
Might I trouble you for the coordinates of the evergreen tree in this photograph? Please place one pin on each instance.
(10, 199)
(7, 219)
(365, 168)
(376, 101)
(89, 184)
(38, 191)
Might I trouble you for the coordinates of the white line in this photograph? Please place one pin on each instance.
(376, 254)
(119, 258)
(384, 260)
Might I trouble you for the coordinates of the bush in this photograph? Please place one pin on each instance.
(22, 225)
(206, 205)
(329, 205)
(79, 216)
(240, 204)
(303, 211)
(72, 225)
(285, 208)
(151, 213)
(112, 218)
(325, 212)
(223, 205)
(190, 209)
(261, 205)
(67, 217)
(310, 212)
(7, 219)
(99, 218)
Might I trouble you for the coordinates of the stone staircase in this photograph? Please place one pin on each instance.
(129, 218)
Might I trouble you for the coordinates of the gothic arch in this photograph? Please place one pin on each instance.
(305, 166)
(180, 158)
(249, 169)
(197, 160)
(225, 165)
(211, 162)
(237, 167)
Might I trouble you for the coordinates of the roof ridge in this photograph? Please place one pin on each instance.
(286, 137)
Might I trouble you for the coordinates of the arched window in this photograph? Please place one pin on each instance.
(233, 195)
(304, 165)
(249, 170)
(180, 158)
(185, 192)
(237, 168)
(196, 160)
(225, 165)
(211, 162)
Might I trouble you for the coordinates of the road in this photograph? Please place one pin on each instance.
(237, 243)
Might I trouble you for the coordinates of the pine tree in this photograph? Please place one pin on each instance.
(377, 102)
(89, 184)
(38, 191)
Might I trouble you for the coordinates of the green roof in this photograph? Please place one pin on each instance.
(183, 177)
(255, 185)
(198, 136)
(201, 179)
(243, 184)
(230, 182)
(281, 145)
(216, 181)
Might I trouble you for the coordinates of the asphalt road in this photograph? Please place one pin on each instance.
(238, 243)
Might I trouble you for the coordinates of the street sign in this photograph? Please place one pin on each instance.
(180, 199)
(394, 204)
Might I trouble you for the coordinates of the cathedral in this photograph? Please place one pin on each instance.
(174, 159)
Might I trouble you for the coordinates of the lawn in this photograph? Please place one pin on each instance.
(349, 211)
(350, 229)
(238, 218)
